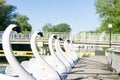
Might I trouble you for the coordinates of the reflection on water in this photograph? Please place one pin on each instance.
(2, 71)
(2, 67)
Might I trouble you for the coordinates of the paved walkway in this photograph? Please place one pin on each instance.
(92, 68)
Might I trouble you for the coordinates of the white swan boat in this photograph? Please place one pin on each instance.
(54, 60)
(22, 73)
(61, 56)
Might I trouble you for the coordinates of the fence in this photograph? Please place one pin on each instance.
(79, 37)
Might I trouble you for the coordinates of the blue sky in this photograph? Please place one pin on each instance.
(79, 14)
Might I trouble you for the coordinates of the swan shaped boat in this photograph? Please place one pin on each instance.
(73, 51)
(38, 65)
(54, 60)
(61, 56)
(69, 54)
(23, 74)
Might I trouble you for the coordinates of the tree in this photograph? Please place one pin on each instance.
(109, 12)
(63, 27)
(47, 27)
(22, 21)
(6, 14)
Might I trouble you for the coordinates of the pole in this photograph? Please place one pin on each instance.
(110, 26)
(110, 37)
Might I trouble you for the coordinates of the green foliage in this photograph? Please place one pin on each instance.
(2, 2)
(109, 12)
(22, 21)
(105, 48)
(63, 27)
(6, 14)
(47, 27)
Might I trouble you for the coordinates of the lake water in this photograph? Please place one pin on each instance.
(2, 67)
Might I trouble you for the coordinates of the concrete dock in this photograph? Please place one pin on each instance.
(93, 68)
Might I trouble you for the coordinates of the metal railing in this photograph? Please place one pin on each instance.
(80, 37)
(27, 35)
(96, 37)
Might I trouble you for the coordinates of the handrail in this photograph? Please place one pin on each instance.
(81, 37)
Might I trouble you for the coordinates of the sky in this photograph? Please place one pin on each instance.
(79, 14)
